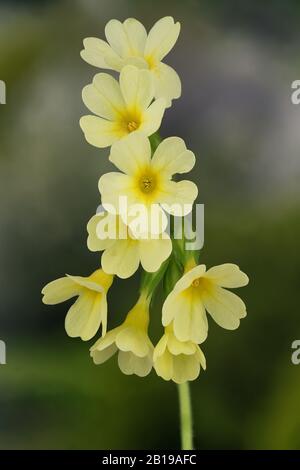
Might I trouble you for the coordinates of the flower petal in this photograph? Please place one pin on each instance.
(99, 132)
(167, 83)
(127, 39)
(162, 37)
(163, 365)
(186, 280)
(60, 290)
(185, 368)
(152, 117)
(132, 153)
(84, 317)
(102, 356)
(133, 340)
(225, 307)
(172, 156)
(227, 275)
(95, 243)
(137, 87)
(103, 97)
(153, 252)
(160, 347)
(130, 364)
(122, 258)
(98, 53)
(112, 186)
(188, 314)
(177, 198)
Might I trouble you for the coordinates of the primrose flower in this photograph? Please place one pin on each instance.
(121, 108)
(176, 360)
(199, 291)
(146, 183)
(90, 309)
(128, 43)
(131, 340)
(122, 251)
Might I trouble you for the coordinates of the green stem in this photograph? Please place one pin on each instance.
(186, 421)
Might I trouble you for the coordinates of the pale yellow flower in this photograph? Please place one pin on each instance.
(147, 182)
(199, 291)
(122, 251)
(128, 43)
(90, 309)
(131, 339)
(176, 360)
(121, 107)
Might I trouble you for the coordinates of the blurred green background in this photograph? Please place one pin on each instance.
(236, 61)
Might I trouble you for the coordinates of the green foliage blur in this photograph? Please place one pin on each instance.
(237, 61)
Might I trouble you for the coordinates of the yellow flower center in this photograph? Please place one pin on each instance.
(132, 126)
(147, 183)
(201, 284)
(152, 63)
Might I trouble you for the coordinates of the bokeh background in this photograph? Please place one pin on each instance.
(237, 61)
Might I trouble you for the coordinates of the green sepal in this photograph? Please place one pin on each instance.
(150, 281)
(172, 275)
(155, 140)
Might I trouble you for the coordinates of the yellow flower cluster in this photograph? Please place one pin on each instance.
(127, 114)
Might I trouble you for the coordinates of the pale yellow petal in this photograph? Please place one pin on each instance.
(227, 275)
(154, 252)
(136, 36)
(103, 97)
(134, 340)
(172, 156)
(188, 314)
(160, 347)
(177, 198)
(102, 356)
(112, 186)
(186, 368)
(84, 317)
(100, 132)
(122, 258)
(167, 83)
(132, 153)
(163, 365)
(60, 290)
(186, 280)
(152, 117)
(130, 364)
(143, 219)
(95, 243)
(128, 38)
(137, 87)
(106, 341)
(162, 37)
(177, 347)
(98, 53)
(225, 307)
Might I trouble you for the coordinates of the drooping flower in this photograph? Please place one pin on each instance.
(131, 340)
(146, 182)
(122, 251)
(90, 309)
(128, 43)
(120, 107)
(176, 360)
(199, 291)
